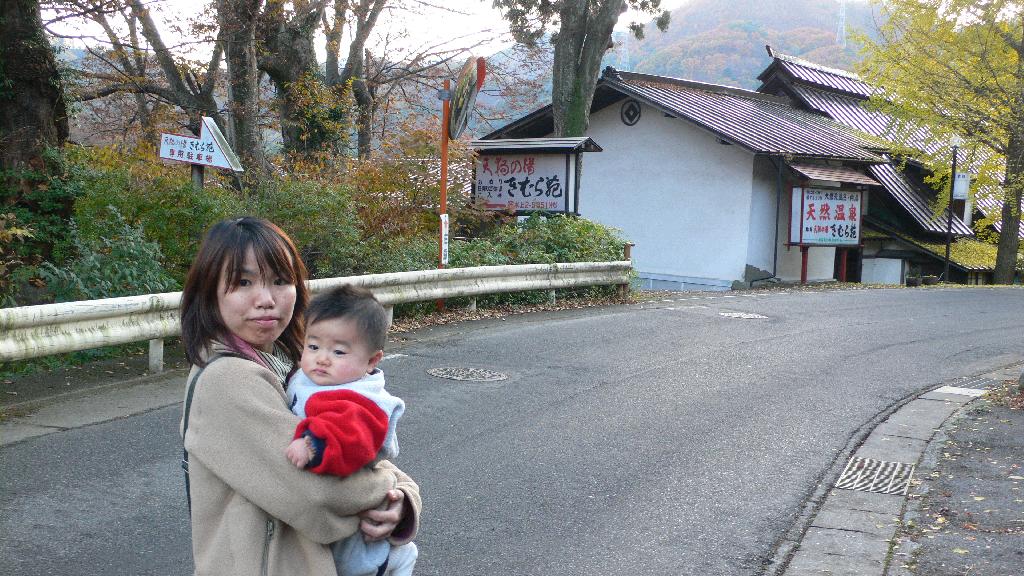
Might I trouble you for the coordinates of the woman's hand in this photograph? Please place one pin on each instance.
(379, 523)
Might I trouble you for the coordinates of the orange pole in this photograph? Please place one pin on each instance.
(446, 113)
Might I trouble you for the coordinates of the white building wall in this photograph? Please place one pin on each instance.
(682, 197)
(881, 271)
(762, 218)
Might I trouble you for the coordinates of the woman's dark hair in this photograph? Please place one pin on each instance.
(356, 304)
(223, 251)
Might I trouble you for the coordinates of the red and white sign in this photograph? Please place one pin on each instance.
(526, 182)
(210, 149)
(825, 217)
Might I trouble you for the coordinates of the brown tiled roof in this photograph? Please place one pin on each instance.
(834, 173)
(831, 78)
(759, 122)
(915, 204)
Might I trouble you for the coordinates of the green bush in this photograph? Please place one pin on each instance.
(544, 239)
(320, 218)
(119, 263)
(157, 197)
(41, 201)
(11, 236)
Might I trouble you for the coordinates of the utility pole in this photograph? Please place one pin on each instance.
(949, 209)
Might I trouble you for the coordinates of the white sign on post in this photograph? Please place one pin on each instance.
(210, 149)
(825, 217)
(526, 182)
(961, 184)
(444, 239)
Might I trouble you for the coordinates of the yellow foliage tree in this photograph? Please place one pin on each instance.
(955, 67)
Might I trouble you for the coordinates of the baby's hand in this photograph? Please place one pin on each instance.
(300, 452)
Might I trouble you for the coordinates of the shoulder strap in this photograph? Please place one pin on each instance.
(184, 423)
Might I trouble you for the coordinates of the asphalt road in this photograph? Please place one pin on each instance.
(655, 439)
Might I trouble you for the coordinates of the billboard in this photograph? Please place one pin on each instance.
(821, 217)
(526, 182)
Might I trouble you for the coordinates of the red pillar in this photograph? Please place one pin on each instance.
(803, 264)
(842, 264)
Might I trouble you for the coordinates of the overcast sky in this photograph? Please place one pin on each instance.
(460, 23)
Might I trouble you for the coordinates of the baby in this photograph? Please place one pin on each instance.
(348, 418)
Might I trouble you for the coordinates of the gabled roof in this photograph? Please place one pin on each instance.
(966, 254)
(577, 144)
(916, 205)
(816, 74)
(843, 109)
(840, 95)
(760, 123)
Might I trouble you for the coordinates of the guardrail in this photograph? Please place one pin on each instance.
(33, 331)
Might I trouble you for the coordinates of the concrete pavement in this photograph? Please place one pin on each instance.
(867, 522)
(869, 518)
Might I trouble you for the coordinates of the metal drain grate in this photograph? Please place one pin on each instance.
(467, 374)
(977, 383)
(868, 475)
(743, 315)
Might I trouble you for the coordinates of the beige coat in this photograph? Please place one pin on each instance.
(253, 512)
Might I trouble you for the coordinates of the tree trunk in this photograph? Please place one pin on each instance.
(367, 107)
(333, 34)
(32, 110)
(238, 33)
(1013, 183)
(287, 56)
(583, 38)
(366, 13)
(1009, 234)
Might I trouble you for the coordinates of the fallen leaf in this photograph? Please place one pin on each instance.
(1016, 477)
(979, 498)
(960, 551)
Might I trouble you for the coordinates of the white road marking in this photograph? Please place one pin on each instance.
(961, 391)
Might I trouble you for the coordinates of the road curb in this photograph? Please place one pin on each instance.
(850, 531)
(42, 416)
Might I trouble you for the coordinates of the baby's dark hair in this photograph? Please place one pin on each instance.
(352, 303)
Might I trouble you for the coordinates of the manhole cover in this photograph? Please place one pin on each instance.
(467, 374)
(868, 475)
(743, 315)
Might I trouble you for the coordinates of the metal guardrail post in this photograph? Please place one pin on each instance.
(627, 254)
(551, 297)
(156, 356)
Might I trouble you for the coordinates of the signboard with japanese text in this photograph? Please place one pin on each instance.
(961, 185)
(527, 182)
(825, 217)
(210, 149)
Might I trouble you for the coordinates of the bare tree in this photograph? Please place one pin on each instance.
(288, 57)
(140, 63)
(237, 20)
